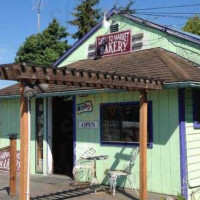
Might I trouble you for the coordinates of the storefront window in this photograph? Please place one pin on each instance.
(196, 108)
(39, 134)
(120, 123)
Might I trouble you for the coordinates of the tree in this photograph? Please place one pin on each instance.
(43, 49)
(86, 17)
(193, 25)
(125, 9)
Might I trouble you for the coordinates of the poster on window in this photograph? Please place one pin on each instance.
(5, 160)
(84, 107)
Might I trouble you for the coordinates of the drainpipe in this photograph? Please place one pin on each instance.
(188, 84)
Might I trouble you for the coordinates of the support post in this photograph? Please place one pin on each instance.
(13, 163)
(23, 143)
(143, 145)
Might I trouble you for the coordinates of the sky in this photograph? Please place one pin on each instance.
(18, 19)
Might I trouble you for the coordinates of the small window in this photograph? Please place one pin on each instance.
(196, 108)
(120, 123)
(114, 28)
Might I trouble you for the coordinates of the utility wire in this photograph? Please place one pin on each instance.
(178, 6)
(173, 13)
(172, 16)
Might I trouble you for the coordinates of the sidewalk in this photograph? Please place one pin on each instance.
(57, 187)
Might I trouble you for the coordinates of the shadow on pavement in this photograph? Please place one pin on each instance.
(128, 195)
(63, 194)
(6, 189)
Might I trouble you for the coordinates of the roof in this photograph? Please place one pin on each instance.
(155, 63)
(15, 89)
(149, 65)
(83, 78)
(180, 34)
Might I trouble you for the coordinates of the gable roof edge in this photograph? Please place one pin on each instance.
(162, 28)
(79, 42)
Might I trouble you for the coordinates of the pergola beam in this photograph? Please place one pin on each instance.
(23, 143)
(82, 78)
(143, 144)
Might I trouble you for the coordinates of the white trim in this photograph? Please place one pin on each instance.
(49, 137)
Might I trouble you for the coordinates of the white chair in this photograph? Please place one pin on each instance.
(114, 174)
(83, 167)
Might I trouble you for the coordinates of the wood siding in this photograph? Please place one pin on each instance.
(163, 158)
(10, 123)
(9, 120)
(193, 147)
(152, 38)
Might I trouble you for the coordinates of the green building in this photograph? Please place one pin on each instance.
(65, 117)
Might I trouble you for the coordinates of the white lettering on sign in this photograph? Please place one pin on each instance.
(114, 43)
(89, 125)
(84, 107)
(5, 160)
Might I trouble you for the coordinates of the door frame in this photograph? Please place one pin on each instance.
(50, 132)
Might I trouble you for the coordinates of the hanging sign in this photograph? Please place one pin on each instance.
(88, 124)
(84, 107)
(5, 160)
(114, 43)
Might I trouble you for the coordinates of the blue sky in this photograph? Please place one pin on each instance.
(18, 19)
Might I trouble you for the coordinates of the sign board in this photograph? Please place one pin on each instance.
(88, 124)
(114, 43)
(5, 160)
(84, 107)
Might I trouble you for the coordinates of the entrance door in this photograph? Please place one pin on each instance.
(62, 140)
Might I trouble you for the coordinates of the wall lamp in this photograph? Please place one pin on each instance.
(105, 23)
(29, 91)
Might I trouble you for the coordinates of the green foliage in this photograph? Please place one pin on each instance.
(126, 8)
(86, 17)
(193, 25)
(43, 49)
(180, 197)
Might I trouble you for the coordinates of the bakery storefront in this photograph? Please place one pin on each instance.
(94, 99)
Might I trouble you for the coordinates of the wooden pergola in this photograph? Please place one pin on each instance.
(82, 78)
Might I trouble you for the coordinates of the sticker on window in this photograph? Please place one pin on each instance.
(84, 107)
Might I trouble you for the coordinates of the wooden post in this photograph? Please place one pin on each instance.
(143, 145)
(13, 163)
(23, 143)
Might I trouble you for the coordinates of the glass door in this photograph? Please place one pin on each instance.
(39, 134)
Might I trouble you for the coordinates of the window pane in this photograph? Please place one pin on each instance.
(111, 124)
(130, 123)
(197, 107)
(39, 134)
(120, 123)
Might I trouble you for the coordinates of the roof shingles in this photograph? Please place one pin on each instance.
(154, 63)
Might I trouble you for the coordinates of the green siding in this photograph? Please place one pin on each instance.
(9, 116)
(163, 168)
(10, 123)
(152, 38)
(193, 147)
